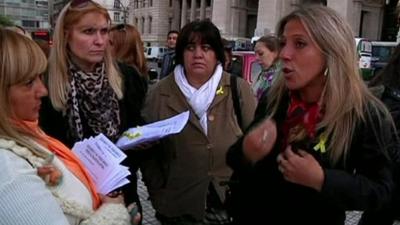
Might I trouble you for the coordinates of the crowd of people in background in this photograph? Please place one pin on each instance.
(305, 142)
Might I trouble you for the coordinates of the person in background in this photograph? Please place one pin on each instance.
(266, 50)
(320, 139)
(386, 86)
(184, 172)
(168, 62)
(25, 197)
(127, 47)
(89, 93)
(228, 55)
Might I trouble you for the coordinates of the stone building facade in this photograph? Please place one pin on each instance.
(245, 18)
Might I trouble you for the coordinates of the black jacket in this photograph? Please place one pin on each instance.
(362, 180)
(135, 88)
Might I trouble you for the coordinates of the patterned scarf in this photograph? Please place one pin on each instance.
(301, 120)
(265, 79)
(92, 104)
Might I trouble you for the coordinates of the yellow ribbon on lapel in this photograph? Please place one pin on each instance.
(220, 91)
(321, 144)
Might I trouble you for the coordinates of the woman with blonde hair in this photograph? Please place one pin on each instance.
(25, 197)
(320, 140)
(127, 46)
(89, 93)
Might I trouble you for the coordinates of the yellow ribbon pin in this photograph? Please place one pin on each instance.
(321, 144)
(132, 135)
(220, 91)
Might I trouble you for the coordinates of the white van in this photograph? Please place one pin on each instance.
(155, 52)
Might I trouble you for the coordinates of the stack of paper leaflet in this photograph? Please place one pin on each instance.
(152, 131)
(102, 160)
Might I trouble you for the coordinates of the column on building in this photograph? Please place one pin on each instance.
(221, 16)
(193, 10)
(350, 10)
(268, 15)
(202, 9)
(175, 17)
(184, 11)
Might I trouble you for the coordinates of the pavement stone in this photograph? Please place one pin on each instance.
(352, 217)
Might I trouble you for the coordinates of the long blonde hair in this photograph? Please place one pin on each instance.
(58, 62)
(346, 97)
(21, 59)
(128, 47)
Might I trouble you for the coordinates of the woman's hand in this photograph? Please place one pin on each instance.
(50, 174)
(134, 212)
(301, 168)
(259, 142)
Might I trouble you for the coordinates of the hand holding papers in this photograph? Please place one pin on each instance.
(102, 160)
(153, 131)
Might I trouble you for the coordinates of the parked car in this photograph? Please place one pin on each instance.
(155, 53)
(364, 50)
(381, 53)
(245, 65)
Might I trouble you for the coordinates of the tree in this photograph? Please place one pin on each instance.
(5, 21)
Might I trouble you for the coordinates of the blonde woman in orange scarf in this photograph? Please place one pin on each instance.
(26, 198)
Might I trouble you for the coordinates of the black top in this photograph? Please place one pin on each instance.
(363, 180)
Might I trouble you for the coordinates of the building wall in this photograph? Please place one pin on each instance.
(364, 16)
(156, 20)
(31, 14)
(235, 18)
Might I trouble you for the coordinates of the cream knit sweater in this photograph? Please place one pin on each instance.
(25, 198)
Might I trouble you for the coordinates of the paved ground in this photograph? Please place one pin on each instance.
(149, 219)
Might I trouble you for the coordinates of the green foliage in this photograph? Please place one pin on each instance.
(5, 21)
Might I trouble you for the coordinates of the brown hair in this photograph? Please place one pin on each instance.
(128, 47)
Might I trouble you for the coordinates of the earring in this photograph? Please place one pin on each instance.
(326, 72)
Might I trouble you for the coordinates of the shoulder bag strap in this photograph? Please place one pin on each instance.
(235, 99)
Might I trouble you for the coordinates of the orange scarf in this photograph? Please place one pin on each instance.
(69, 159)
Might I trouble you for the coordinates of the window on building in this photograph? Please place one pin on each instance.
(117, 4)
(136, 22)
(142, 25)
(135, 4)
(197, 3)
(150, 24)
(322, 2)
(170, 3)
(42, 4)
(117, 17)
(208, 3)
(28, 23)
(170, 23)
(143, 3)
(150, 3)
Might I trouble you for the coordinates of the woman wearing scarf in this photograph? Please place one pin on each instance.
(266, 51)
(89, 93)
(70, 196)
(320, 140)
(185, 171)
